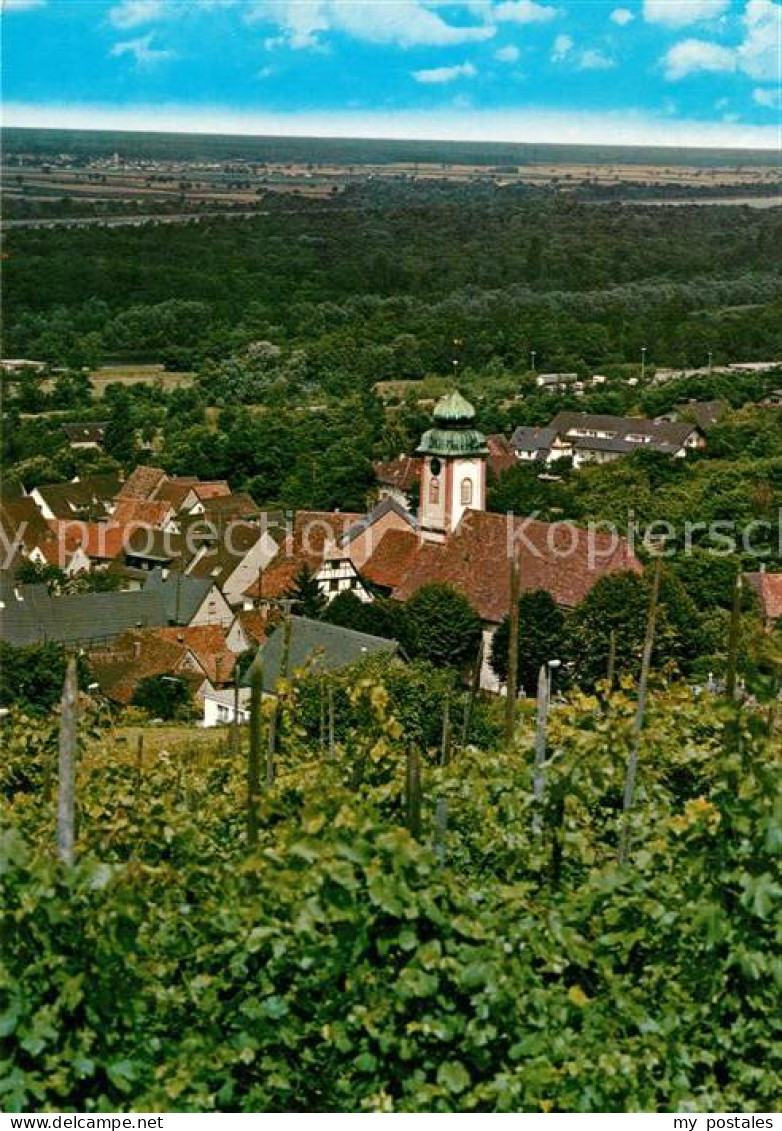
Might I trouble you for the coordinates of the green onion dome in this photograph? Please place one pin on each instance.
(453, 434)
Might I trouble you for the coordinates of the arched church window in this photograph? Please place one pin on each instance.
(434, 491)
(466, 492)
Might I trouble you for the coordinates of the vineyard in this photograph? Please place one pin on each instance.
(460, 947)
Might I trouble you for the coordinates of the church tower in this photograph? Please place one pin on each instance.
(453, 470)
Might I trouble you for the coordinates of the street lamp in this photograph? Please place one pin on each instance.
(532, 356)
(710, 357)
(643, 362)
(552, 666)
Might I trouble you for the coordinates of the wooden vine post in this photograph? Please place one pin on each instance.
(640, 715)
(473, 695)
(413, 792)
(322, 703)
(610, 674)
(734, 639)
(254, 754)
(541, 729)
(236, 740)
(332, 739)
(66, 796)
(441, 809)
(139, 767)
(513, 652)
(445, 742)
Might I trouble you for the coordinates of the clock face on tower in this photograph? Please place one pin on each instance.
(435, 466)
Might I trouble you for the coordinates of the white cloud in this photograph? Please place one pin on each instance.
(524, 12)
(767, 96)
(301, 23)
(694, 55)
(445, 74)
(760, 55)
(142, 51)
(593, 60)
(680, 13)
(533, 124)
(622, 16)
(134, 13)
(406, 23)
(20, 5)
(509, 54)
(561, 48)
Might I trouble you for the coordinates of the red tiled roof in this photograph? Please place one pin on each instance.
(400, 473)
(142, 483)
(555, 557)
(392, 559)
(222, 506)
(278, 577)
(207, 643)
(501, 455)
(174, 491)
(140, 653)
(313, 529)
(212, 489)
(255, 623)
(134, 656)
(22, 522)
(313, 532)
(768, 588)
(142, 512)
(100, 540)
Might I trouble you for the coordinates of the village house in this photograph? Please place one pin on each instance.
(29, 614)
(316, 541)
(555, 382)
(706, 414)
(533, 443)
(198, 656)
(249, 629)
(593, 438)
(312, 645)
(27, 536)
(88, 500)
(85, 437)
(398, 479)
(767, 588)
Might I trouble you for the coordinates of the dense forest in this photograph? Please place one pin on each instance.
(379, 283)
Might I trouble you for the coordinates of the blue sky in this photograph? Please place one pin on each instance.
(687, 72)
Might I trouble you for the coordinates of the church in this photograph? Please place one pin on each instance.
(453, 539)
(458, 542)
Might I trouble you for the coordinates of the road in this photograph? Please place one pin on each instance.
(128, 221)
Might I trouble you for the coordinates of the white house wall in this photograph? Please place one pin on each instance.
(214, 609)
(246, 572)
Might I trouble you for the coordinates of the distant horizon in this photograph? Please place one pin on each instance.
(626, 130)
